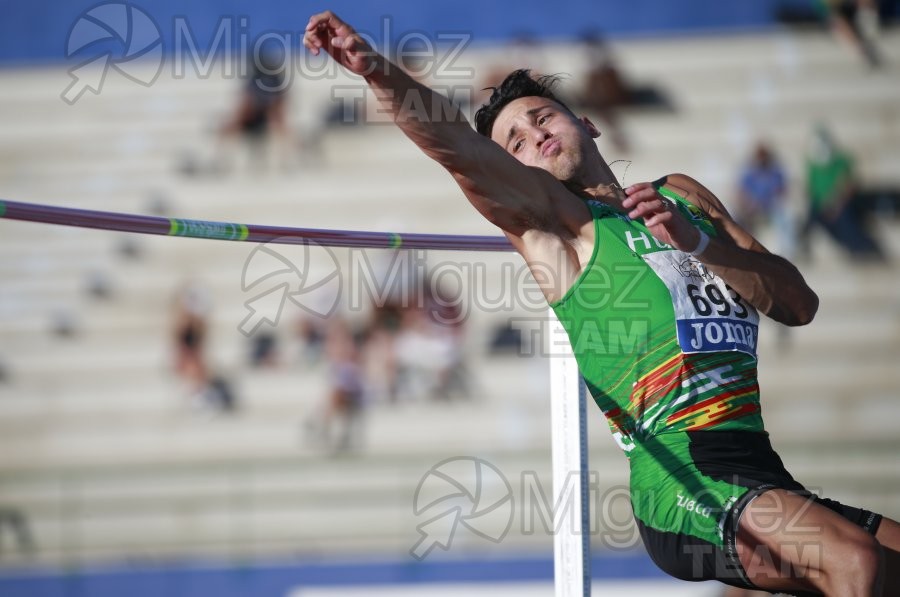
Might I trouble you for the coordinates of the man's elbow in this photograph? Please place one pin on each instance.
(805, 310)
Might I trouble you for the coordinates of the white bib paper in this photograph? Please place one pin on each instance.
(709, 315)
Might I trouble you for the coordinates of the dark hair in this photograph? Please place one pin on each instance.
(517, 84)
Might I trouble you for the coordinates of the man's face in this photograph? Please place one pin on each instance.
(539, 132)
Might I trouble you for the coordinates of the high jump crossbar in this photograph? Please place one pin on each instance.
(571, 541)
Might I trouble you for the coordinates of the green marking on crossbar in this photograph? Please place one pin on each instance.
(203, 229)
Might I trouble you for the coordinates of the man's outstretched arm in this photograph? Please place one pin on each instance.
(768, 282)
(515, 197)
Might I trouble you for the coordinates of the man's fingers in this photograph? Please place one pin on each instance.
(658, 218)
(310, 41)
(635, 188)
(646, 207)
(660, 215)
(326, 30)
(329, 22)
(313, 44)
(323, 18)
(635, 196)
(353, 43)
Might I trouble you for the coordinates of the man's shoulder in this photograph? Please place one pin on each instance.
(691, 191)
(679, 183)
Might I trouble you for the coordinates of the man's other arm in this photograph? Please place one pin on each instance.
(769, 282)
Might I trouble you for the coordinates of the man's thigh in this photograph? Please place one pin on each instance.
(788, 540)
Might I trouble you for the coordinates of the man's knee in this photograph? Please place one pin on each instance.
(868, 552)
(857, 556)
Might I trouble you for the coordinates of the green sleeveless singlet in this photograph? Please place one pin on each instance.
(666, 347)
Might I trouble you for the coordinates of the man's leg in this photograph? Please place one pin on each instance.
(789, 542)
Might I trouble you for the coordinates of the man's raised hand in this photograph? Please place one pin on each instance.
(661, 217)
(326, 31)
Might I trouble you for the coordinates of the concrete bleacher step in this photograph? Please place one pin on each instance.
(866, 89)
(82, 414)
(69, 430)
(106, 514)
(311, 502)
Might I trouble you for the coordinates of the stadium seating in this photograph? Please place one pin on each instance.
(106, 456)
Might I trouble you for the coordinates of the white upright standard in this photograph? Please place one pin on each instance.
(571, 543)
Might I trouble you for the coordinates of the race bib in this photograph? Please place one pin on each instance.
(709, 315)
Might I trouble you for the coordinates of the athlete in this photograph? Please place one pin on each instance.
(659, 290)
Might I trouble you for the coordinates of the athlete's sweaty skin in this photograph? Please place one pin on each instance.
(531, 179)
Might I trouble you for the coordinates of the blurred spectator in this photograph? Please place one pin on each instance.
(99, 285)
(380, 339)
(413, 342)
(13, 519)
(428, 349)
(219, 394)
(524, 49)
(448, 316)
(762, 193)
(607, 90)
(310, 332)
(158, 203)
(339, 424)
(190, 330)
(854, 22)
(191, 311)
(400, 286)
(260, 119)
(263, 349)
(129, 247)
(64, 323)
(833, 200)
(506, 338)
(423, 354)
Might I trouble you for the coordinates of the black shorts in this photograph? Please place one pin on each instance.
(746, 460)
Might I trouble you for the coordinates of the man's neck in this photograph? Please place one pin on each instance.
(600, 183)
(605, 189)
